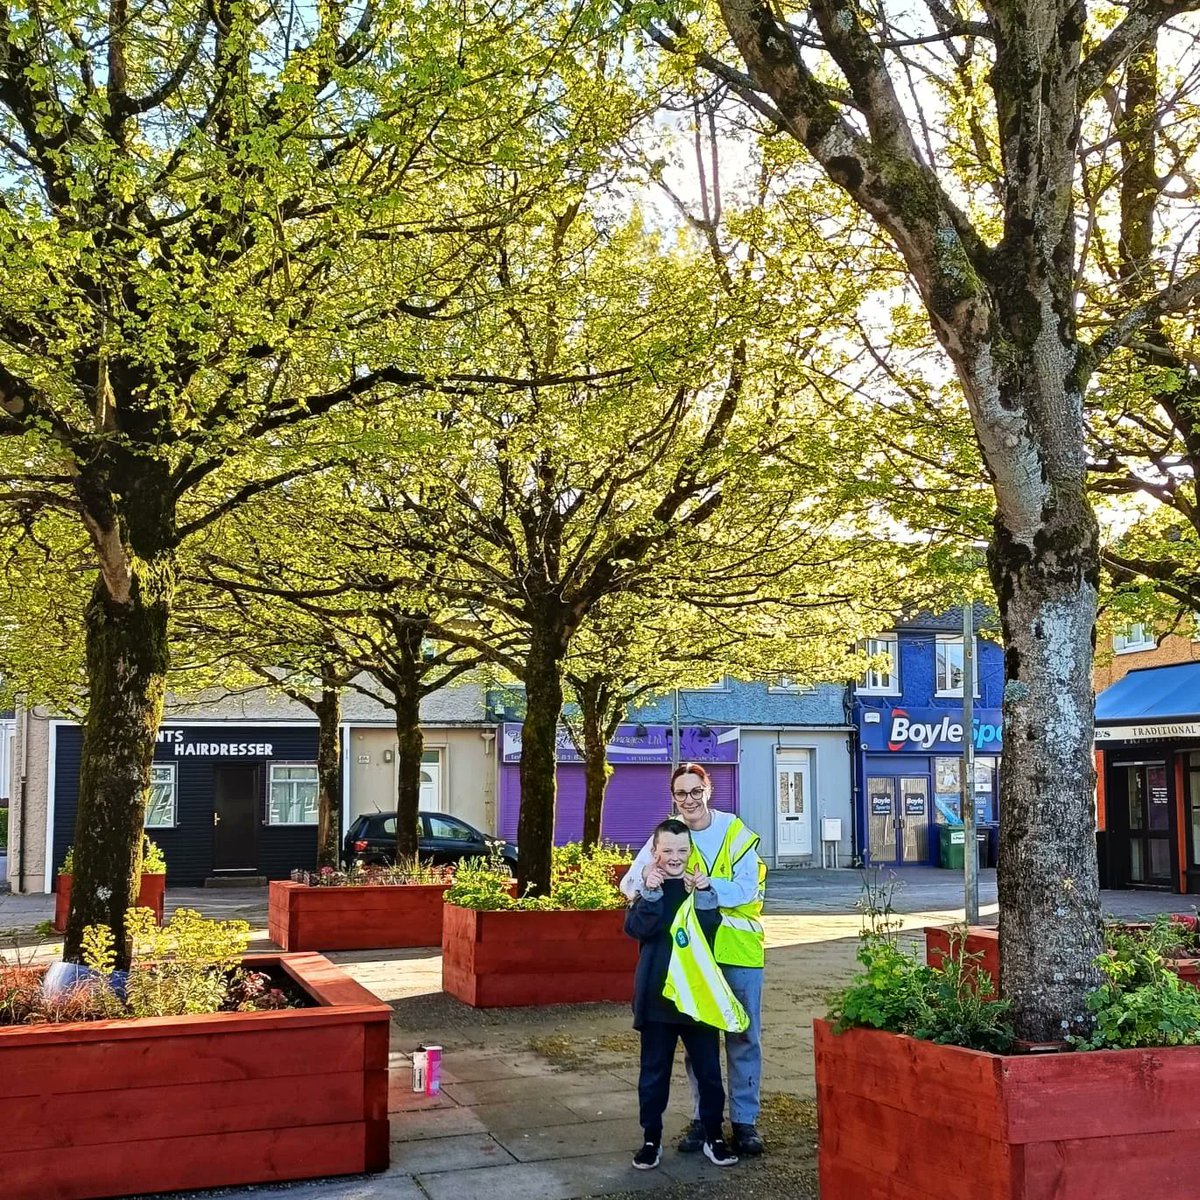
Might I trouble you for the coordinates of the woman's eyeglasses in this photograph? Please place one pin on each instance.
(694, 794)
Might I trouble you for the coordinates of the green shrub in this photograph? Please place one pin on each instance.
(153, 862)
(579, 880)
(952, 1004)
(3, 828)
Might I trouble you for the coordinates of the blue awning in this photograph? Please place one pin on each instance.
(1154, 702)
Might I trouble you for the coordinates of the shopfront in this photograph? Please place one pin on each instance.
(638, 794)
(1148, 780)
(226, 800)
(910, 779)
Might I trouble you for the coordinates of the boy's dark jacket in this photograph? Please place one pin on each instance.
(649, 920)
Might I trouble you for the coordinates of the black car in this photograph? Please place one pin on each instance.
(443, 839)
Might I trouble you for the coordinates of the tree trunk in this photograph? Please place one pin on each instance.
(600, 709)
(329, 775)
(405, 684)
(539, 757)
(1049, 889)
(127, 657)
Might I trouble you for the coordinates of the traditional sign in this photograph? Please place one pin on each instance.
(643, 744)
(1147, 733)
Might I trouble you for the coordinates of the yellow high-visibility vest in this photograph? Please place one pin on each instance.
(740, 939)
(695, 983)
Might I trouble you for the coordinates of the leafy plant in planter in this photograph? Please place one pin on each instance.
(581, 881)
(951, 1005)
(405, 871)
(153, 862)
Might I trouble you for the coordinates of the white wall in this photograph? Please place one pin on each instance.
(830, 780)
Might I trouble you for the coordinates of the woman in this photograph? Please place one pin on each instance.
(724, 850)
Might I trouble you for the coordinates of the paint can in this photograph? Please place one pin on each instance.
(420, 1068)
(433, 1070)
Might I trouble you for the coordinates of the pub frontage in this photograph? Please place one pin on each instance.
(1148, 780)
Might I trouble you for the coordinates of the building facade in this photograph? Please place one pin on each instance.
(778, 756)
(234, 781)
(908, 720)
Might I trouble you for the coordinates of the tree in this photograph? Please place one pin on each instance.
(971, 176)
(220, 222)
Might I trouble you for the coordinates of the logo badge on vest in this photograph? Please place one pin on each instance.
(681, 938)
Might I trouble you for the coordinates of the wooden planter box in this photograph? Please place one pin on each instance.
(902, 1119)
(158, 1104)
(986, 941)
(354, 918)
(511, 959)
(151, 894)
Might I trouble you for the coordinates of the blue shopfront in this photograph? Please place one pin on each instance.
(909, 729)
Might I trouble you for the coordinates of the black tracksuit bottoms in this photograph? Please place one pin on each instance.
(703, 1046)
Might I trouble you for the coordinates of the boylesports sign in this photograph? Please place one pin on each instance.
(930, 730)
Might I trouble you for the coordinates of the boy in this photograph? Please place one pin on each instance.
(663, 888)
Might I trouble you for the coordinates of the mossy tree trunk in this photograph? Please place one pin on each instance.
(329, 774)
(127, 655)
(405, 684)
(600, 712)
(539, 752)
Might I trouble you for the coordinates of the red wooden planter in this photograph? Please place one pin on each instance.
(986, 941)
(902, 1119)
(151, 894)
(354, 918)
(157, 1104)
(509, 959)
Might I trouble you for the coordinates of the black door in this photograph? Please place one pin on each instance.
(235, 813)
(1145, 799)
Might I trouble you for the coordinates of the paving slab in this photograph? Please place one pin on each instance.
(566, 1179)
(531, 1087)
(460, 1153)
(436, 1123)
(578, 1140)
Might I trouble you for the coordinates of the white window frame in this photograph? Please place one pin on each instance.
(271, 791)
(172, 774)
(950, 639)
(783, 683)
(1124, 642)
(869, 685)
(721, 685)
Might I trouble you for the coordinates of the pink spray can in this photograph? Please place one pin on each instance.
(433, 1070)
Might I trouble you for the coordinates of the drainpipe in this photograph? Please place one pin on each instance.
(489, 798)
(852, 747)
(22, 791)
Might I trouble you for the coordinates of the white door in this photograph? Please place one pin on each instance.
(431, 781)
(793, 804)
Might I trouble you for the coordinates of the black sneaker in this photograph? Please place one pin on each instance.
(747, 1140)
(692, 1141)
(648, 1157)
(719, 1154)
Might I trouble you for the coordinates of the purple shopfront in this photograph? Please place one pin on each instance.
(637, 796)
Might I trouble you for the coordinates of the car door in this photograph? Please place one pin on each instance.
(451, 839)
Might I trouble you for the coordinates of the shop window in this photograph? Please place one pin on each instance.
(160, 806)
(1132, 638)
(292, 799)
(947, 790)
(949, 666)
(881, 680)
(1193, 781)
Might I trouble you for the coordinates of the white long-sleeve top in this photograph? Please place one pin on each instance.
(741, 889)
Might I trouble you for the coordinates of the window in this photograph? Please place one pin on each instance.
(785, 683)
(293, 796)
(950, 666)
(720, 684)
(448, 829)
(160, 807)
(1133, 637)
(881, 680)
